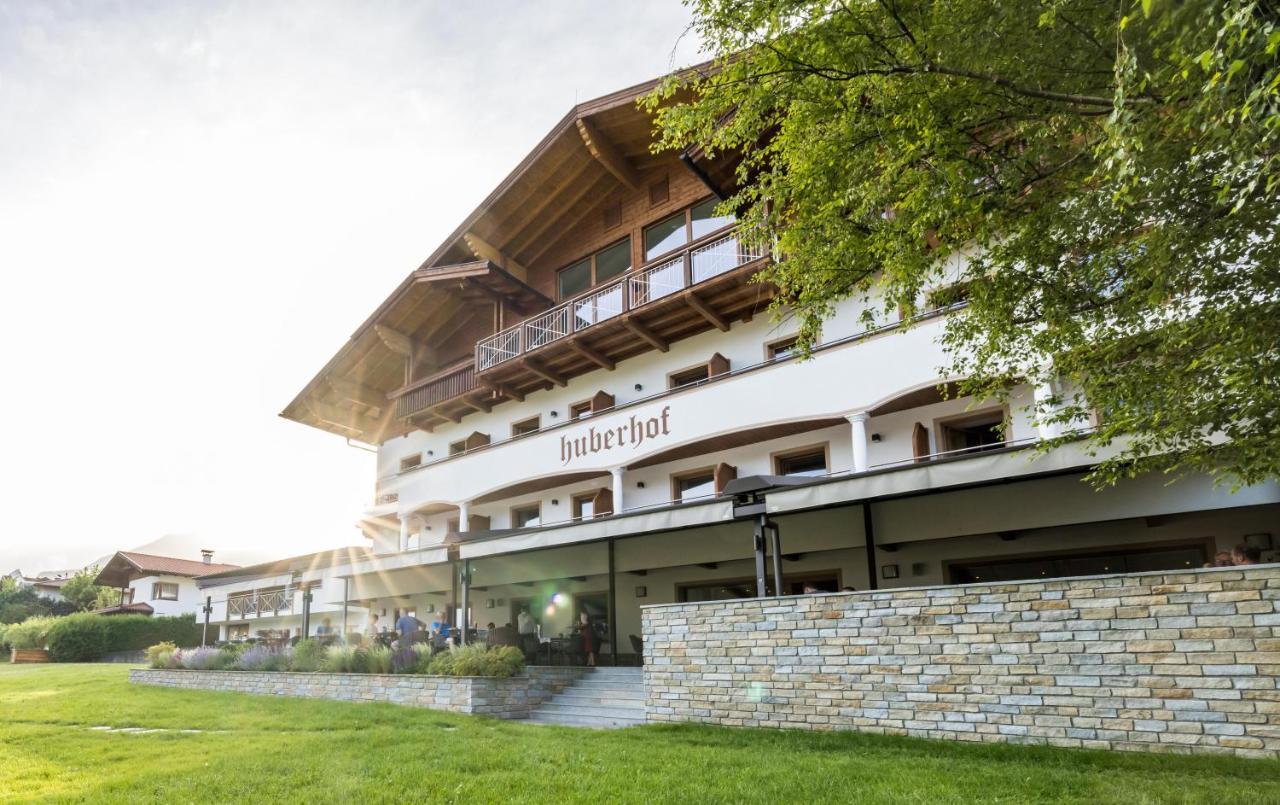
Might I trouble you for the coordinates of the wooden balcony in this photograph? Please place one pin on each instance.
(265, 602)
(442, 394)
(704, 285)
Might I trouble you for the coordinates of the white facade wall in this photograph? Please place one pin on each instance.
(189, 598)
(326, 602)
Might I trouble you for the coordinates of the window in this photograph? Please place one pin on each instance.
(164, 591)
(793, 584)
(688, 377)
(780, 350)
(600, 267)
(579, 410)
(685, 226)
(1099, 561)
(526, 516)
(979, 431)
(947, 296)
(810, 462)
(409, 462)
(693, 485)
(526, 426)
(584, 506)
(458, 447)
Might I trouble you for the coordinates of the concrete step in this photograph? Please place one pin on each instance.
(608, 689)
(590, 697)
(583, 721)
(599, 710)
(589, 702)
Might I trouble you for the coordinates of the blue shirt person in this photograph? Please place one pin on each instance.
(406, 625)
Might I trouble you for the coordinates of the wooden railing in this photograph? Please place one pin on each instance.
(431, 391)
(698, 263)
(267, 602)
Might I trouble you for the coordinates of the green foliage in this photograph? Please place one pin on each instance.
(82, 591)
(378, 660)
(1104, 178)
(344, 659)
(499, 661)
(85, 637)
(161, 654)
(307, 656)
(31, 633)
(107, 597)
(19, 603)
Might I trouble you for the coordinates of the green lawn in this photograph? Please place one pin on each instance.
(263, 749)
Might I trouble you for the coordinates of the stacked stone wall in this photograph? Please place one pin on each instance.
(1172, 662)
(511, 697)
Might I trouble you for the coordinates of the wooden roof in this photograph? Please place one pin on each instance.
(480, 275)
(125, 566)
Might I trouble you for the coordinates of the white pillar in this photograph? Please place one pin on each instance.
(464, 516)
(617, 489)
(405, 530)
(1042, 393)
(858, 423)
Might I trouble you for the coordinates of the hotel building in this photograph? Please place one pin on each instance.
(581, 402)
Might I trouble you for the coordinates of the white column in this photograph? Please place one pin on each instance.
(464, 516)
(405, 530)
(617, 489)
(858, 423)
(1042, 393)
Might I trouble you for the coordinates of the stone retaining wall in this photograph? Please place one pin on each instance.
(512, 697)
(1164, 662)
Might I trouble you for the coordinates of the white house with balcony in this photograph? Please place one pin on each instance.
(582, 404)
(156, 585)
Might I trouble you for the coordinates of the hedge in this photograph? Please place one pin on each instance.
(86, 637)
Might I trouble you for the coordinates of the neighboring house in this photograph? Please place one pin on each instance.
(268, 598)
(160, 585)
(45, 584)
(581, 404)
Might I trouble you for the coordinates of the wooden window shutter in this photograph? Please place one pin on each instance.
(718, 365)
(723, 474)
(602, 401)
(602, 503)
(477, 522)
(612, 214)
(659, 192)
(919, 442)
(476, 439)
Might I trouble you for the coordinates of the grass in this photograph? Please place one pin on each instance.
(266, 749)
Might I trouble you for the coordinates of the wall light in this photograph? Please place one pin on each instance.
(639, 387)
(490, 604)
(555, 502)
(642, 591)
(875, 437)
(888, 571)
(431, 452)
(639, 484)
(554, 415)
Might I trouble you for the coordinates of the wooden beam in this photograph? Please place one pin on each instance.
(656, 341)
(692, 300)
(341, 417)
(592, 355)
(566, 227)
(484, 250)
(608, 155)
(501, 389)
(358, 393)
(527, 240)
(548, 193)
(480, 404)
(542, 371)
(405, 345)
(438, 411)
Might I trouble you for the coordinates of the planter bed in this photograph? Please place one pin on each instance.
(21, 655)
(509, 697)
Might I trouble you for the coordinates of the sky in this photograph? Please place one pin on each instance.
(200, 202)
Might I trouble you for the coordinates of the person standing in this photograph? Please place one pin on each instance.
(406, 625)
(588, 638)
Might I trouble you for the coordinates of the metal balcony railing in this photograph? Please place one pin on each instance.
(696, 264)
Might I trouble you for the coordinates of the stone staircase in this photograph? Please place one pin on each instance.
(602, 698)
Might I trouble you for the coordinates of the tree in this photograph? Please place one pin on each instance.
(82, 590)
(1105, 174)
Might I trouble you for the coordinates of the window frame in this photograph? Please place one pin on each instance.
(579, 410)
(940, 425)
(526, 507)
(536, 419)
(157, 591)
(703, 367)
(771, 347)
(776, 459)
(411, 461)
(576, 501)
(687, 211)
(458, 448)
(590, 259)
(701, 472)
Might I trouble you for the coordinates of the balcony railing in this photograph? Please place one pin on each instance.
(696, 264)
(269, 602)
(431, 391)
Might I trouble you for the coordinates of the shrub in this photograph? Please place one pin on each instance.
(203, 659)
(345, 660)
(500, 661)
(379, 660)
(31, 633)
(161, 655)
(404, 660)
(264, 658)
(307, 656)
(85, 637)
